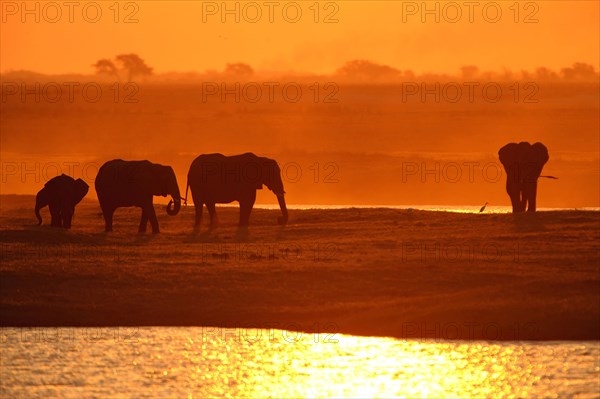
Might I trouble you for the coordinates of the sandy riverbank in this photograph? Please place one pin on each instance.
(382, 272)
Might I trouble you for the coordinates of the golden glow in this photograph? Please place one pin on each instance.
(360, 142)
(200, 362)
(172, 36)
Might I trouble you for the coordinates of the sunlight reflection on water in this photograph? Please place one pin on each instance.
(434, 208)
(195, 362)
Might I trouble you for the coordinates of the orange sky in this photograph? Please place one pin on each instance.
(171, 36)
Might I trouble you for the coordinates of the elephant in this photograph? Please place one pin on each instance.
(122, 183)
(523, 163)
(61, 194)
(216, 178)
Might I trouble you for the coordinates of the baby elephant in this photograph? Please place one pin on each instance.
(61, 194)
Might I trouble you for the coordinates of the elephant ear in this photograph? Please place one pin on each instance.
(273, 173)
(509, 155)
(534, 161)
(270, 170)
(80, 189)
(539, 154)
(81, 183)
(154, 178)
(171, 181)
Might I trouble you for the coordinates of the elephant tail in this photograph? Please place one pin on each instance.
(550, 177)
(40, 202)
(38, 216)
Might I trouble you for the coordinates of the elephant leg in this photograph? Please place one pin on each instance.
(246, 208)
(514, 193)
(199, 209)
(67, 217)
(532, 197)
(516, 203)
(55, 215)
(152, 217)
(212, 211)
(198, 216)
(524, 200)
(60, 218)
(107, 212)
(198, 205)
(143, 221)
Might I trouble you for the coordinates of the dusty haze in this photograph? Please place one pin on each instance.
(387, 103)
(368, 134)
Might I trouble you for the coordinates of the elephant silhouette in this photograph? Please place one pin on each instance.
(61, 194)
(122, 183)
(216, 178)
(523, 163)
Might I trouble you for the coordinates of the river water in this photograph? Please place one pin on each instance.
(199, 362)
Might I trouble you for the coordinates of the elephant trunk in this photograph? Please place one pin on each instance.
(283, 219)
(174, 210)
(176, 196)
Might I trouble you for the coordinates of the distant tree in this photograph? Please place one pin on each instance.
(526, 75)
(507, 74)
(239, 69)
(579, 71)
(469, 71)
(106, 67)
(130, 64)
(367, 69)
(543, 73)
(134, 65)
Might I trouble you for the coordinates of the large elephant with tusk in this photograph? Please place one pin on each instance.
(523, 163)
(219, 179)
(133, 183)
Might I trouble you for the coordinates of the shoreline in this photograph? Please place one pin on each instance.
(367, 272)
(490, 209)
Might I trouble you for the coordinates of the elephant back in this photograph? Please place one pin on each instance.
(224, 173)
(119, 178)
(120, 171)
(60, 181)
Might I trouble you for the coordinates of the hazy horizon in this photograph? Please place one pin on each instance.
(301, 38)
(358, 70)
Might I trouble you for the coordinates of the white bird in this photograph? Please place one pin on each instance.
(483, 207)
